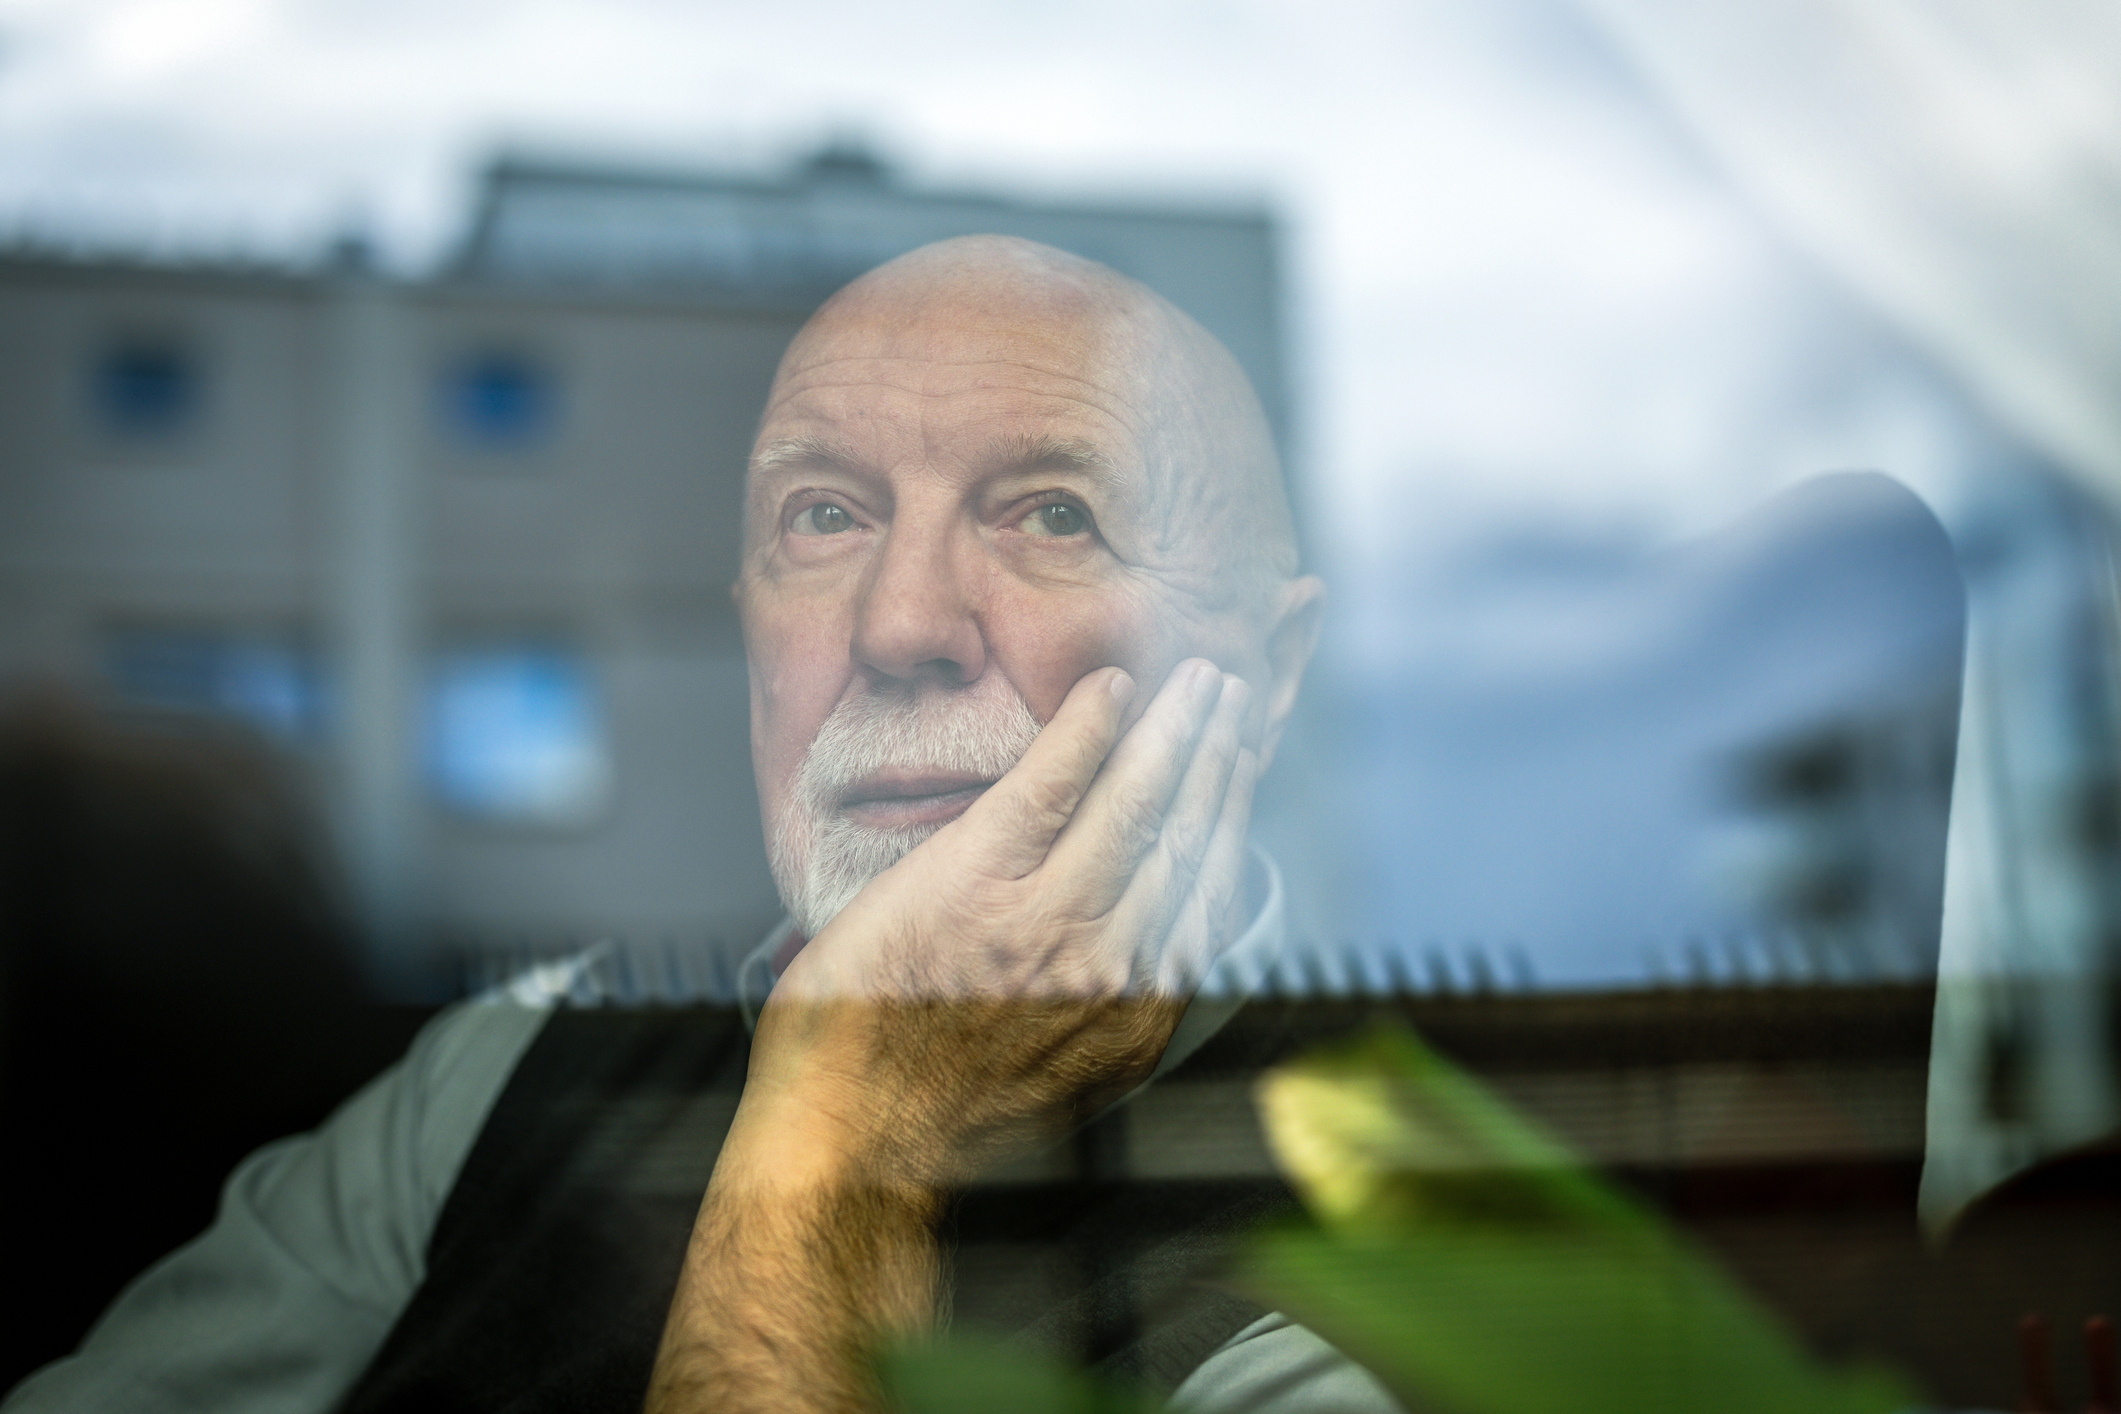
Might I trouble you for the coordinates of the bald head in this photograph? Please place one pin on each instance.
(986, 470)
(1192, 450)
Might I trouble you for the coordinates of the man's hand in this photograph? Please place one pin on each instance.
(1011, 976)
(1026, 965)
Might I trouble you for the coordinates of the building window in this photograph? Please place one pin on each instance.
(514, 735)
(498, 400)
(270, 684)
(146, 388)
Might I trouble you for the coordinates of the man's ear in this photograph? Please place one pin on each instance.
(1292, 635)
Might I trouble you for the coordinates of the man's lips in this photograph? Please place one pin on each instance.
(930, 799)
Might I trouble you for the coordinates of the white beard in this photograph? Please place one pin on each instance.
(820, 858)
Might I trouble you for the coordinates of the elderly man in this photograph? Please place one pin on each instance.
(1020, 601)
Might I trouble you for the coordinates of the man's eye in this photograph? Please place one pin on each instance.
(1059, 518)
(824, 518)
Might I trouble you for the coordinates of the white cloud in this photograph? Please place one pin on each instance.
(142, 40)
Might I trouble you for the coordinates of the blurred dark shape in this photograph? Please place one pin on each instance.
(2006, 1067)
(501, 400)
(2099, 1357)
(847, 159)
(2036, 1253)
(2036, 1367)
(1852, 793)
(176, 988)
(146, 388)
(351, 253)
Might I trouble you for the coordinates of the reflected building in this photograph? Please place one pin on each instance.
(786, 243)
(463, 543)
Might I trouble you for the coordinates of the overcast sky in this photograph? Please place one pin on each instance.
(1511, 282)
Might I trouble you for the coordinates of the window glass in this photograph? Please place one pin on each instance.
(498, 400)
(270, 684)
(145, 388)
(514, 735)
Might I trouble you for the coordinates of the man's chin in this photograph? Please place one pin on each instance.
(844, 857)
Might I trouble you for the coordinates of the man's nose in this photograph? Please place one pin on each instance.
(918, 617)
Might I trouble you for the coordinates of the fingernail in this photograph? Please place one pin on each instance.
(1121, 686)
(1237, 692)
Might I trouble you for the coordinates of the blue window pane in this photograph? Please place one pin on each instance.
(272, 686)
(501, 401)
(513, 734)
(145, 389)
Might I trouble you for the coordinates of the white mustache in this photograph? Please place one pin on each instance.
(821, 859)
(913, 733)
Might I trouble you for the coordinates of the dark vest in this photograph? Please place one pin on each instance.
(553, 1262)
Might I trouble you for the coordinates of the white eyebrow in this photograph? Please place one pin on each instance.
(797, 451)
(1023, 453)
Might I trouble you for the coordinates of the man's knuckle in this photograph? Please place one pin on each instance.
(1098, 974)
(1044, 804)
(1136, 821)
(1188, 850)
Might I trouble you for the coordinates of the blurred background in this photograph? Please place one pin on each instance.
(1703, 421)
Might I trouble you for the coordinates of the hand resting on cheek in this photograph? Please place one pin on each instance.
(1012, 975)
(1025, 966)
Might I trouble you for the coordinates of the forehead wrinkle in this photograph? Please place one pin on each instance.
(1106, 395)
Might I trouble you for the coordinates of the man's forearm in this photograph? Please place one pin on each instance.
(789, 1283)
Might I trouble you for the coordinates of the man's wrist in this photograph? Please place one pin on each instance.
(848, 1093)
(812, 1138)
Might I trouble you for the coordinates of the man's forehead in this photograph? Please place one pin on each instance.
(912, 307)
(858, 412)
(822, 384)
(1004, 450)
(912, 331)
(943, 332)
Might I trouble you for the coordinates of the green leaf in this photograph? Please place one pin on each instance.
(1467, 1260)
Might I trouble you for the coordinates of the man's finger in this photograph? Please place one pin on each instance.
(1123, 812)
(1208, 921)
(1012, 826)
(1145, 903)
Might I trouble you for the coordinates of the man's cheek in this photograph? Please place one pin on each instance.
(799, 670)
(1149, 641)
(1055, 649)
(1165, 639)
(1147, 659)
(1149, 678)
